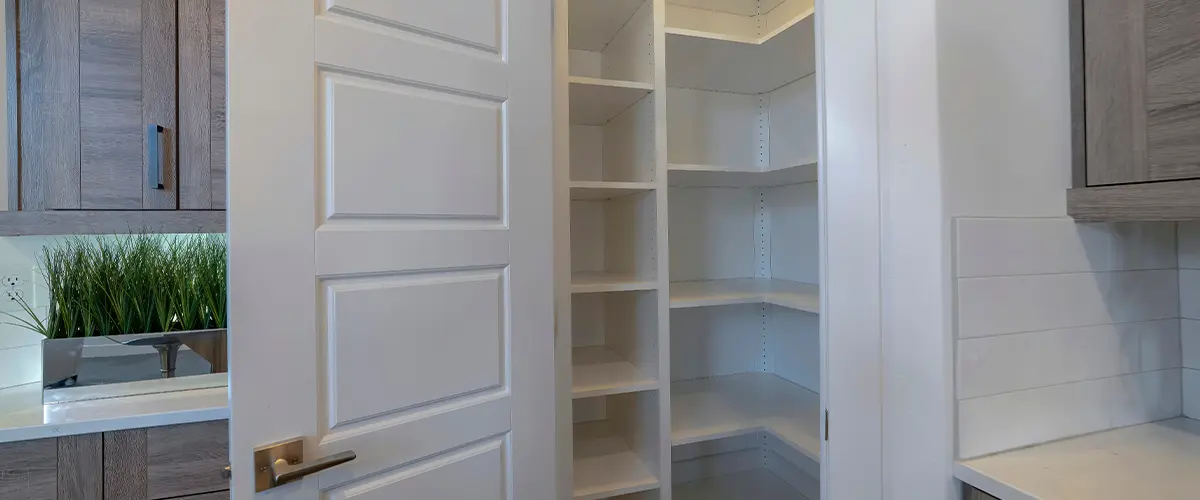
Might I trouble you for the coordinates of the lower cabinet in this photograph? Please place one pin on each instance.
(156, 463)
(972, 493)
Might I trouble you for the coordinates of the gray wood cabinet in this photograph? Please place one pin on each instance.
(1136, 107)
(95, 80)
(157, 463)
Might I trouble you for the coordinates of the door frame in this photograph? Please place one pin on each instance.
(887, 290)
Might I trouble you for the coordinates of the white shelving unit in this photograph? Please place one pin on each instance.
(695, 358)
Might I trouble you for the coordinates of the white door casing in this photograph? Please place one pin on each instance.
(390, 205)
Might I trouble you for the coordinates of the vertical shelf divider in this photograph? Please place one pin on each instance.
(659, 46)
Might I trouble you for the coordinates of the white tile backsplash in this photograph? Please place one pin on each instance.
(1191, 389)
(997, 423)
(1189, 333)
(1189, 245)
(986, 366)
(1011, 304)
(1066, 328)
(1189, 293)
(20, 365)
(1006, 247)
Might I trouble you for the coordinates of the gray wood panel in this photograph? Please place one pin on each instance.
(972, 493)
(81, 467)
(25, 223)
(12, 94)
(1154, 201)
(187, 459)
(159, 74)
(28, 469)
(1078, 97)
(125, 465)
(195, 165)
(1173, 88)
(217, 495)
(110, 104)
(1115, 73)
(216, 14)
(49, 46)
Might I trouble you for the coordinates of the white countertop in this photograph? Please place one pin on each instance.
(24, 417)
(1155, 460)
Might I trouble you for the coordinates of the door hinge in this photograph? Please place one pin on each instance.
(827, 425)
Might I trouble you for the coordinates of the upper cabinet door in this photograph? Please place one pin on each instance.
(1142, 88)
(201, 104)
(121, 104)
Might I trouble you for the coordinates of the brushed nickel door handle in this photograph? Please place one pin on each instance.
(283, 472)
(282, 463)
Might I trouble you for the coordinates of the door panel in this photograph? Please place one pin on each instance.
(49, 73)
(1173, 88)
(440, 478)
(1115, 81)
(429, 172)
(434, 339)
(474, 22)
(111, 128)
(390, 245)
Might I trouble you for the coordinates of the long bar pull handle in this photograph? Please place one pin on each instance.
(154, 160)
(283, 473)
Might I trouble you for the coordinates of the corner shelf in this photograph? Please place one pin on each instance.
(595, 101)
(759, 484)
(606, 190)
(793, 295)
(598, 371)
(604, 466)
(597, 282)
(680, 175)
(732, 405)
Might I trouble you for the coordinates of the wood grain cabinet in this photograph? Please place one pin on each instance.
(1136, 109)
(157, 463)
(116, 105)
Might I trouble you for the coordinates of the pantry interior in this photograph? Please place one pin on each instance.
(686, 167)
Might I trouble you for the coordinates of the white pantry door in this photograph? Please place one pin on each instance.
(390, 275)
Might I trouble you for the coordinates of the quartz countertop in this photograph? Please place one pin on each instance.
(24, 417)
(1154, 460)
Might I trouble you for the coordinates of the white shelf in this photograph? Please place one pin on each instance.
(605, 190)
(1155, 460)
(680, 175)
(799, 296)
(595, 101)
(598, 371)
(757, 484)
(732, 405)
(596, 282)
(604, 466)
(751, 28)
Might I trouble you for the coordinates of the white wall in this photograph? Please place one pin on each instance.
(1061, 328)
(20, 349)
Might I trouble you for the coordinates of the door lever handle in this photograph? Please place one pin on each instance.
(283, 462)
(283, 472)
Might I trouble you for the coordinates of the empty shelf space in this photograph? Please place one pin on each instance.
(731, 405)
(734, 57)
(595, 101)
(1154, 460)
(605, 190)
(598, 371)
(593, 24)
(721, 176)
(748, 27)
(793, 295)
(605, 466)
(757, 484)
(595, 282)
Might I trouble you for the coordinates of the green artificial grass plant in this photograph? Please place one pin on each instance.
(137, 283)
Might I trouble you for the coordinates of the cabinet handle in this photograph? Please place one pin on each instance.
(154, 160)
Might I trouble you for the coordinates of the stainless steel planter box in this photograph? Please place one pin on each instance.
(78, 369)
